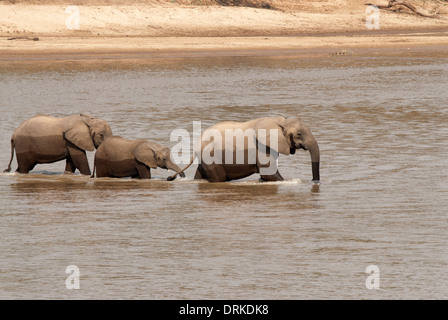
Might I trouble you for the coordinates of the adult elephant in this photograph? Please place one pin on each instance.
(234, 150)
(47, 139)
(118, 157)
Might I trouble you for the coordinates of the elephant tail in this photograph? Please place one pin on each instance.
(94, 167)
(12, 157)
(172, 177)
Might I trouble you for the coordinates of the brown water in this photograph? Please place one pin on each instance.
(380, 120)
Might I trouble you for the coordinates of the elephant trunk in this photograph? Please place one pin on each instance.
(172, 166)
(315, 160)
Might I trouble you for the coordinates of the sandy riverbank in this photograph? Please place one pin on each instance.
(172, 28)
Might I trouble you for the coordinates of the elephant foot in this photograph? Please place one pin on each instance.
(274, 177)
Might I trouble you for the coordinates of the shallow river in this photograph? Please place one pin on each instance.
(382, 125)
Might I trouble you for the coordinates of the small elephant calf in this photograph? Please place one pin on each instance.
(118, 157)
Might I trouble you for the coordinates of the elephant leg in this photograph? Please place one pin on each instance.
(25, 164)
(274, 177)
(69, 165)
(200, 173)
(79, 159)
(144, 172)
(101, 168)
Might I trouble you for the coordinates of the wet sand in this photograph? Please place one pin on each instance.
(87, 48)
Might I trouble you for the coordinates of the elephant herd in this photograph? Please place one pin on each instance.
(253, 147)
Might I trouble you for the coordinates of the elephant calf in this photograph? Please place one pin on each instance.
(46, 139)
(118, 157)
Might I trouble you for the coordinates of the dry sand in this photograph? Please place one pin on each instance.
(171, 28)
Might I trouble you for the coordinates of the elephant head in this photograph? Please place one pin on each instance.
(156, 156)
(86, 132)
(292, 135)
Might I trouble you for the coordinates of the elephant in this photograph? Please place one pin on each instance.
(253, 147)
(118, 157)
(48, 139)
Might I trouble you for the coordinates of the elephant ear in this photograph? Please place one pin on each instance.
(78, 133)
(263, 129)
(144, 154)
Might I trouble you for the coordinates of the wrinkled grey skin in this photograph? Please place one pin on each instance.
(292, 135)
(47, 139)
(118, 157)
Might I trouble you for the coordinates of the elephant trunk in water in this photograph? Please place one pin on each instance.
(315, 160)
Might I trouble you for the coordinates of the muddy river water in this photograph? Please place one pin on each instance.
(382, 126)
